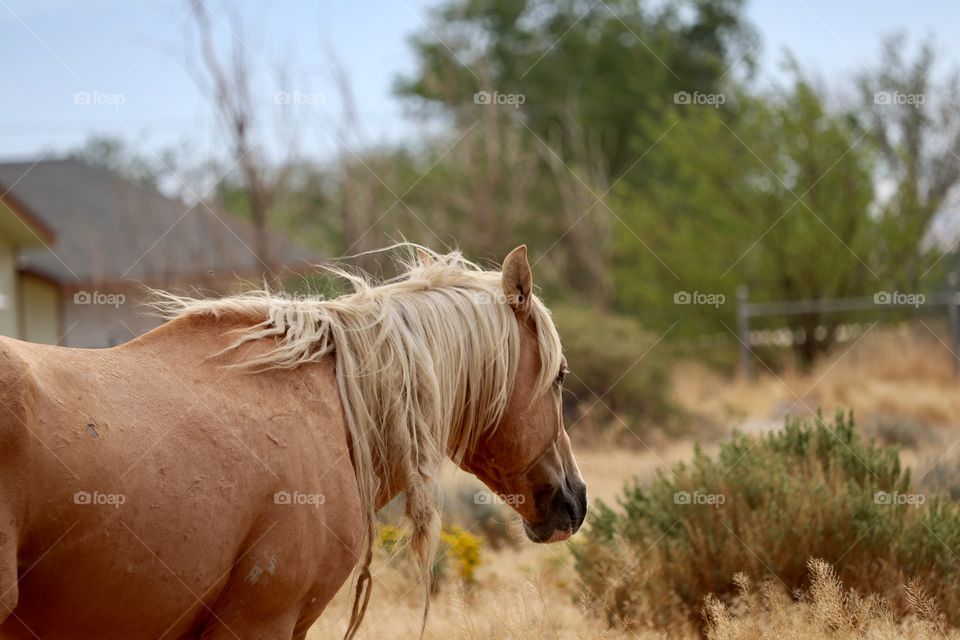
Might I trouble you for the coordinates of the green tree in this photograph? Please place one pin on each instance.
(119, 156)
(775, 194)
(587, 74)
(598, 63)
(913, 120)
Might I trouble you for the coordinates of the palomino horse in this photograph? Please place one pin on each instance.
(218, 476)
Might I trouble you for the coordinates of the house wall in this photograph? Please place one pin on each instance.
(87, 318)
(39, 310)
(105, 317)
(9, 320)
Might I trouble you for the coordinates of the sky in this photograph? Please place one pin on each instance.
(73, 69)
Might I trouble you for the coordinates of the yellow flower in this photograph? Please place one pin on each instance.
(465, 549)
(390, 537)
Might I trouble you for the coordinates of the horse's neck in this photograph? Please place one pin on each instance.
(206, 335)
(391, 484)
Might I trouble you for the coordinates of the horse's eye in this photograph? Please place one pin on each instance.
(561, 375)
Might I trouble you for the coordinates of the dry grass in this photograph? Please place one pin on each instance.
(522, 596)
(531, 592)
(901, 374)
(605, 471)
(522, 593)
(898, 381)
(826, 610)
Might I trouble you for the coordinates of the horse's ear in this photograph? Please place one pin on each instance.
(517, 280)
(424, 257)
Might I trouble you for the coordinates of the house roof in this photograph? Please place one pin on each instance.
(109, 229)
(22, 226)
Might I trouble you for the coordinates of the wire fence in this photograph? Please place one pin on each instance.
(882, 301)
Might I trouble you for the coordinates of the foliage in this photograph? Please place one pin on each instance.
(762, 506)
(914, 123)
(456, 545)
(391, 538)
(464, 549)
(149, 170)
(581, 75)
(488, 519)
(748, 195)
(781, 181)
(625, 197)
(612, 361)
(605, 62)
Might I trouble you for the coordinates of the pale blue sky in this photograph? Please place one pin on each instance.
(53, 49)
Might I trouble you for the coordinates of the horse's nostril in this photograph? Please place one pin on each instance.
(577, 506)
(574, 507)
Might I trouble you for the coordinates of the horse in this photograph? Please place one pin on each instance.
(218, 477)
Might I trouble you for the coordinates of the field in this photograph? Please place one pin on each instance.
(898, 382)
(527, 591)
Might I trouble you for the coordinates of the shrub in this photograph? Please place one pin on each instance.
(612, 357)
(894, 431)
(487, 518)
(942, 476)
(464, 549)
(763, 506)
(456, 545)
(391, 538)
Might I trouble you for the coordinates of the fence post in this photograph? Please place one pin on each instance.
(953, 315)
(743, 328)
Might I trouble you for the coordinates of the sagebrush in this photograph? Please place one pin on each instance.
(761, 507)
(604, 352)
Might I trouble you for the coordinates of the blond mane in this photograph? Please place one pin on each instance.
(425, 366)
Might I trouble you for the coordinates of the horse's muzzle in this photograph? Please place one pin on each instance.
(562, 510)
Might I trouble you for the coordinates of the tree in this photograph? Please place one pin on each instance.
(606, 62)
(558, 90)
(227, 79)
(778, 197)
(914, 122)
(163, 170)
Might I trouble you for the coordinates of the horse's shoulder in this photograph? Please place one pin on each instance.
(17, 386)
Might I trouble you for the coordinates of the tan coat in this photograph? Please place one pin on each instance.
(140, 484)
